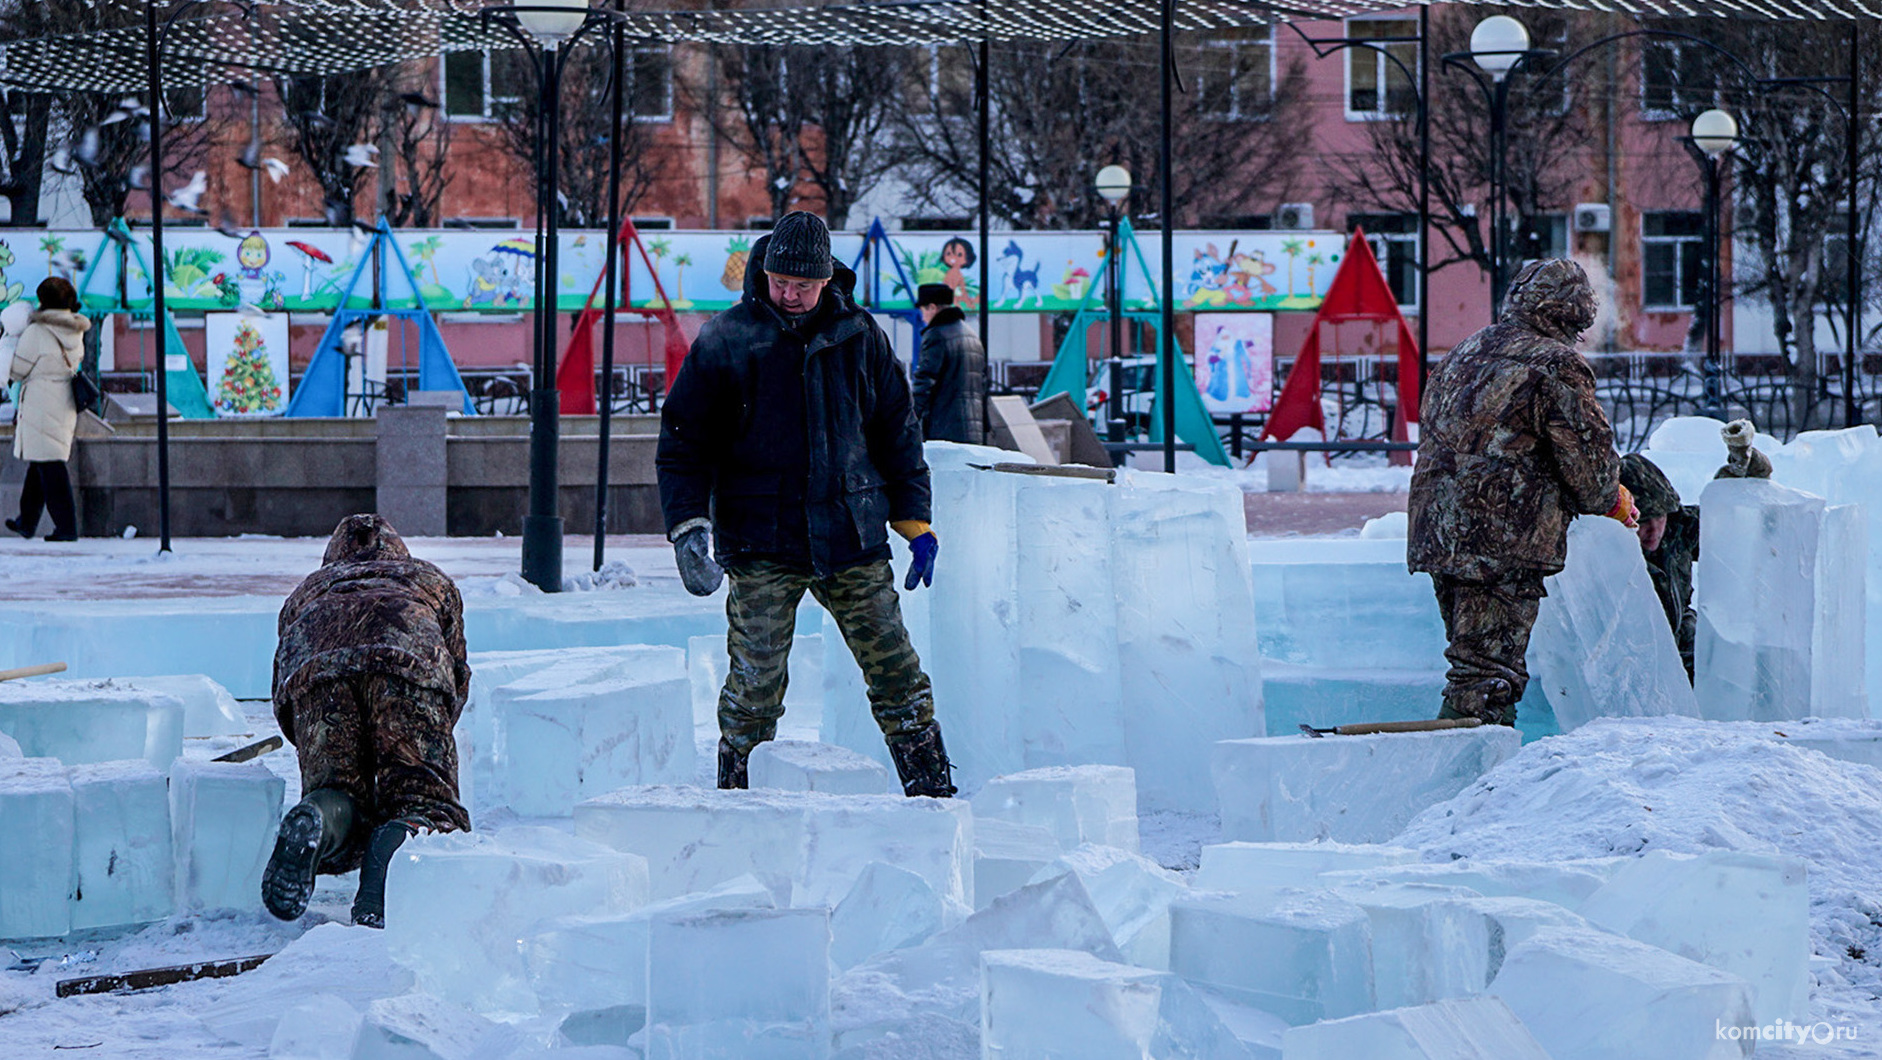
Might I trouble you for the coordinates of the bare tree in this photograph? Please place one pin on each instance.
(758, 118)
(415, 147)
(25, 120)
(329, 123)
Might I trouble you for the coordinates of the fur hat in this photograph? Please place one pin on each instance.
(937, 294)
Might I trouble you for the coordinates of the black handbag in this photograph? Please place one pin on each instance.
(85, 392)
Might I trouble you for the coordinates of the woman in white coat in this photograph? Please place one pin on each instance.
(49, 354)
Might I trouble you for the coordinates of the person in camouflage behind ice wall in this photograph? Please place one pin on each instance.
(1514, 445)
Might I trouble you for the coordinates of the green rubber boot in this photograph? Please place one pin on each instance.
(316, 827)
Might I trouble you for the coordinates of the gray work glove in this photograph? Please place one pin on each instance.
(698, 571)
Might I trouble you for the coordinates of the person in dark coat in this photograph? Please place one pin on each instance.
(1514, 445)
(369, 679)
(790, 438)
(950, 371)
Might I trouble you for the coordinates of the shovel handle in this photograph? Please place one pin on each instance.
(1366, 728)
(33, 671)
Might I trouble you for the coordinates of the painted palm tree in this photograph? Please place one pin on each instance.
(679, 281)
(1313, 260)
(660, 248)
(50, 246)
(426, 251)
(1292, 248)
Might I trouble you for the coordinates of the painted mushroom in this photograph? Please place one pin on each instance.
(310, 254)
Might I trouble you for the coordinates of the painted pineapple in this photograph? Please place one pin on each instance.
(738, 253)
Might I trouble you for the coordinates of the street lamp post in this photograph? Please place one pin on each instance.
(1498, 46)
(1714, 135)
(1113, 185)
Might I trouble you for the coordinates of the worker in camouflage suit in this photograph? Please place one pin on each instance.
(789, 437)
(369, 680)
(1513, 446)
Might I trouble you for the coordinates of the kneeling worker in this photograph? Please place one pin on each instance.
(369, 680)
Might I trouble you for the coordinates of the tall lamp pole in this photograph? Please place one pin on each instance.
(1498, 46)
(1714, 135)
(1113, 185)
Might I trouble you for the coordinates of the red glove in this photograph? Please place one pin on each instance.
(1624, 510)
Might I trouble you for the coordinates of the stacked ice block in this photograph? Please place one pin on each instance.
(1077, 804)
(123, 849)
(84, 721)
(222, 817)
(1053, 1003)
(798, 765)
(37, 838)
(208, 708)
(741, 982)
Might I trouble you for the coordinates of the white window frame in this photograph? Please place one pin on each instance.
(1386, 68)
(1679, 275)
(1381, 242)
(1236, 111)
(490, 99)
(665, 117)
(1649, 112)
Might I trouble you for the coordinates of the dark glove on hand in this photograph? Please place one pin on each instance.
(698, 572)
(922, 569)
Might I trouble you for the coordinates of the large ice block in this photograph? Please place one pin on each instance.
(707, 662)
(79, 721)
(1690, 450)
(1428, 942)
(744, 982)
(800, 765)
(9, 747)
(222, 824)
(125, 862)
(340, 960)
(1067, 1003)
(36, 844)
(1780, 593)
(1476, 1028)
(208, 708)
(1353, 789)
(1317, 597)
(1302, 955)
(1006, 855)
(422, 1027)
(1601, 618)
(1849, 739)
(458, 903)
(1078, 804)
(1588, 995)
(1254, 866)
(1509, 922)
(1132, 893)
(808, 847)
(1740, 912)
(1324, 696)
(323, 1027)
(1564, 883)
(887, 909)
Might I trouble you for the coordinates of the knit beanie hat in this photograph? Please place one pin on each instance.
(800, 246)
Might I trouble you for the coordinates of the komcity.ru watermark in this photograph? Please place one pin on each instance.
(1821, 1032)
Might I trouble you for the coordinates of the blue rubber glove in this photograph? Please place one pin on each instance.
(921, 570)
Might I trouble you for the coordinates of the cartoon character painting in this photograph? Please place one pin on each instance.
(958, 255)
(1246, 272)
(253, 284)
(9, 292)
(1235, 362)
(504, 277)
(1020, 279)
(1208, 275)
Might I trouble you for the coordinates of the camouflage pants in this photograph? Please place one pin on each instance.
(761, 616)
(1487, 625)
(387, 744)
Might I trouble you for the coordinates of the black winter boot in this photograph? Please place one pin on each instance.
(732, 767)
(369, 905)
(922, 762)
(309, 834)
(1490, 701)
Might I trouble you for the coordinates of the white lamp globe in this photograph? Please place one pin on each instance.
(1497, 43)
(552, 25)
(1113, 184)
(1715, 132)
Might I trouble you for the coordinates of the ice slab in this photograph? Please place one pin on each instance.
(1066, 1003)
(1006, 855)
(1563, 883)
(887, 909)
(9, 747)
(1477, 1028)
(347, 962)
(79, 721)
(1428, 942)
(1690, 450)
(1352, 789)
(801, 765)
(1588, 995)
(458, 904)
(1325, 697)
(1601, 617)
(126, 864)
(1302, 955)
(1740, 912)
(1780, 590)
(1078, 804)
(36, 844)
(208, 708)
(808, 847)
(1132, 894)
(222, 826)
(745, 982)
(1316, 598)
(1509, 922)
(1849, 739)
(323, 1027)
(1254, 866)
(422, 1027)
(706, 665)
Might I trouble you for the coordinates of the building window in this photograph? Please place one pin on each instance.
(1235, 75)
(653, 224)
(939, 77)
(1394, 241)
(650, 83)
(1676, 80)
(1376, 87)
(185, 103)
(1543, 235)
(481, 86)
(1673, 254)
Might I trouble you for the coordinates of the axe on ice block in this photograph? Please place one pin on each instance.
(1369, 727)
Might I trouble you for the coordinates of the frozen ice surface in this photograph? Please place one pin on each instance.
(347, 962)
(1588, 995)
(1132, 893)
(9, 747)
(125, 862)
(1780, 595)
(36, 844)
(1509, 922)
(1006, 855)
(1316, 598)
(232, 639)
(707, 662)
(1067, 1003)
(1563, 883)
(222, 824)
(422, 1027)
(1744, 913)
(752, 983)
(1302, 955)
(887, 909)
(79, 721)
(801, 765)
(1352, 789)
(1245, 866)
(208, 708)
(458, 905)
(1477, 1028)
(809, 847)
(1078, 804)
(1601, 618)
(1325, 697)
(1428, 942)
(1850, 739)
(323, 1027)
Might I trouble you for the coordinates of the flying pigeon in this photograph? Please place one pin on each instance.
(140, 177)
(86, 153)
(362, 155)
(190, 196)
(275, 168)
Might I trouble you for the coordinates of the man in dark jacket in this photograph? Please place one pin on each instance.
(369, 680)
(951, 371)
(789, 436)
(1514, 446)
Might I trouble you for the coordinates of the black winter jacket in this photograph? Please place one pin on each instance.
(858, 467)
(951, 380)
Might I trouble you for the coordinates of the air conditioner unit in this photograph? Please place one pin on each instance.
(1593, 217)
(1294, 216)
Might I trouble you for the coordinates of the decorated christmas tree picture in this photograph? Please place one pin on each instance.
(248, 380)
